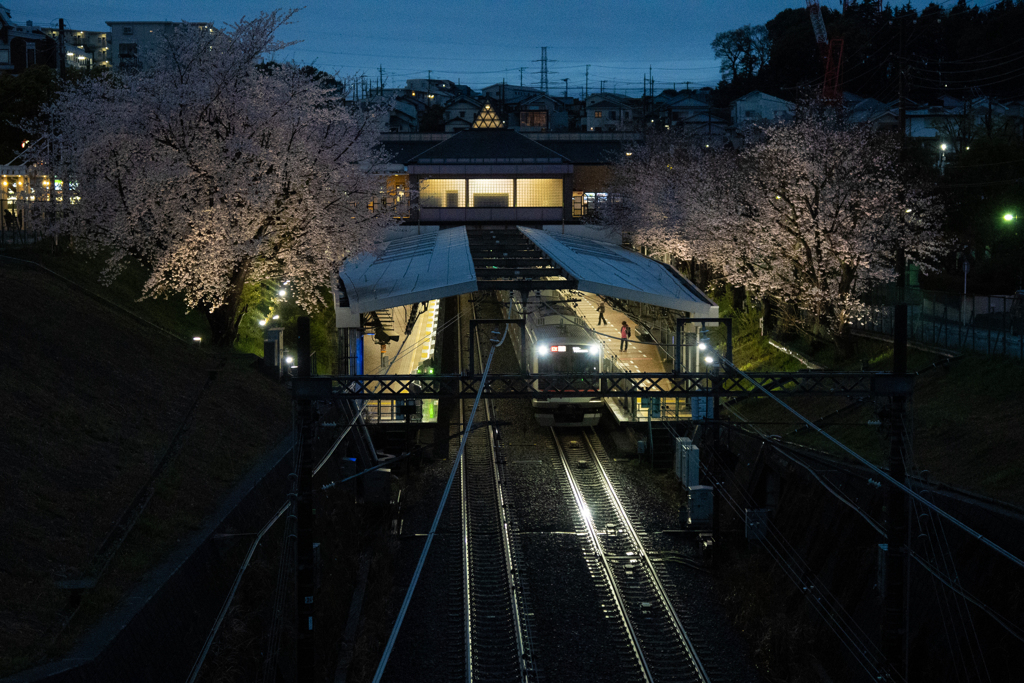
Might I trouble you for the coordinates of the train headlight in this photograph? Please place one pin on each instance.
(542, 350)
(595, 349)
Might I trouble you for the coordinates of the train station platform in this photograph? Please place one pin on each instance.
(638, 357)
(410, 355)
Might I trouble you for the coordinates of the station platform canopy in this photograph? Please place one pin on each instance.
(460, 260)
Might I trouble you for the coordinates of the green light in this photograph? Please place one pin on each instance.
(1008, 217)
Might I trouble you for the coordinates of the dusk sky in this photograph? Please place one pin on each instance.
(475, 42)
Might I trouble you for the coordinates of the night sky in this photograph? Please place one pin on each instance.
(475, 42)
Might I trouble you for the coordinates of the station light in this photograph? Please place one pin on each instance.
(1008, 217)
(702, 346)
(289, 360)
(282, 292)
(709, 359)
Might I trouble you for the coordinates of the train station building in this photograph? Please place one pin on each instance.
(500, 211)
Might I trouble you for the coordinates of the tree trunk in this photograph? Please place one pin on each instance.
(224, 319)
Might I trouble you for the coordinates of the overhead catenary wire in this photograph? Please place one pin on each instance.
(879, 471)
(437, 516)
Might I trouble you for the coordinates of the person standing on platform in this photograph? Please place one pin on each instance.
(624, 344)
(600, 314)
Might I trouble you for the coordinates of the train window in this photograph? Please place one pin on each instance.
(567, 362)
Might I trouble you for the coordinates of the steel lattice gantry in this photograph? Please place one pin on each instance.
(667, 385)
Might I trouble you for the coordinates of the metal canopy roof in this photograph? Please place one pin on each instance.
(611, 270)
(410, 270)
(453, 261)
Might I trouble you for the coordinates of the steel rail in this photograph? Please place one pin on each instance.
(467, 578)
(645, 557)
(504, 533)
(588, 523)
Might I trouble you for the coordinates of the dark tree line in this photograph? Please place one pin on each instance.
(961, 51)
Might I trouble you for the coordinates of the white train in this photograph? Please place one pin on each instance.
(558, 341)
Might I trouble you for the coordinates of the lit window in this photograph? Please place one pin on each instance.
(598, 114)
(533, 119)
(490, 193)
(539, 192)
(447, 193)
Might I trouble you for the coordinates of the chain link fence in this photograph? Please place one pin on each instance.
(986, 324)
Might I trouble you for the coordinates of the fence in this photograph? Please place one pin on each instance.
(986, 324)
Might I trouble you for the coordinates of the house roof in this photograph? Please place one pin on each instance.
(488, 146)
(463, 99)
(757, 94)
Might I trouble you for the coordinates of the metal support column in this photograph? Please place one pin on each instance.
(305, 576)
(894, 617)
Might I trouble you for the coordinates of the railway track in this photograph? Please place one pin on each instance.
(495, 628)
(657, 638)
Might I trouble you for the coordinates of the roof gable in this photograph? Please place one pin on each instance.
(483, 145)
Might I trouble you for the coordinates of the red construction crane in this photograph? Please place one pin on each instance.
(831, 52)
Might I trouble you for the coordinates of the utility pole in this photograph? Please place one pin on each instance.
(61, 57)
(521, 76)
(897, 522)
(544, 70)
(305, 575)
(650, 72)
(903, 95)
(380, 80)
(566, 81)
(602, 85)
(586, 85)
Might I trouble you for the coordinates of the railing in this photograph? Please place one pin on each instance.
(986, 324)
(392, 410)
(638, 384)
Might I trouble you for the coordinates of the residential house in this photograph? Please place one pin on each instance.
(507, 93)
(460, 113)
(404, 116)
(134, 44)
(607, 112)
(757, 106)
(538, 114)
(22, 46)
(869, 111)
(433, 91)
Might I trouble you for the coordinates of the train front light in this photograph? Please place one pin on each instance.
(542, 350)
(595, 349)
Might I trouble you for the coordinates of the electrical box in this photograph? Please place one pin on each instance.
(755, 524)
(883, 551)
(702, 408)
(273, 350)
(700, 506)
(687, 462)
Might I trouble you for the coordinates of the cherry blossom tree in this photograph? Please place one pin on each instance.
(217, 171)
(810, 214)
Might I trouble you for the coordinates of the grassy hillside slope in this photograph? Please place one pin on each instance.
(90, 401)
(966, 413)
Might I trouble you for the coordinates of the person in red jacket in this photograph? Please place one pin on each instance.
(624, 344)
